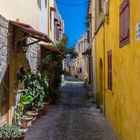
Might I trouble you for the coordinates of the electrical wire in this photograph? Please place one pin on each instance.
(71, 5)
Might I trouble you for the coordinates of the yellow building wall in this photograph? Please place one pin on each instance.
(100, 67)
(18, 60)
(24, 11)
(122, 104)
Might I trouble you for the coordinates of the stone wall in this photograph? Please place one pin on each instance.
(4, 51)
(33, 55)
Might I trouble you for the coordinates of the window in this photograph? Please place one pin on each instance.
(57, 34)
(109, 55)
(80, 70)
(100, 6)
(50, 20)
(46, 3)
(124, 23)
(39, 3)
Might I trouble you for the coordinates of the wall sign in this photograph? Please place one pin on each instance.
(138, 31)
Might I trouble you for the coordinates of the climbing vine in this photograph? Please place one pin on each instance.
(54, 69)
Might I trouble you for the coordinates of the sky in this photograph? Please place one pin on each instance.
(74, 19)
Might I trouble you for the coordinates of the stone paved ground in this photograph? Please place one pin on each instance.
(74, 117)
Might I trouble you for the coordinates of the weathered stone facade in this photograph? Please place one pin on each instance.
(33, 55)
(4, 51)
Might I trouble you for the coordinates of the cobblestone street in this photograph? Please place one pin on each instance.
(74, 117)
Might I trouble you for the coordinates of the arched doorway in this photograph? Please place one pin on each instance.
(4, 98)
(101, 84)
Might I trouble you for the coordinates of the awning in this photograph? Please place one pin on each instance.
(51, 49)
(29, 31)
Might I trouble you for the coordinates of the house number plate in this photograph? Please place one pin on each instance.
(138, 31)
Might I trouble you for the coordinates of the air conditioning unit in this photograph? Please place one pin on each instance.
(106, 7)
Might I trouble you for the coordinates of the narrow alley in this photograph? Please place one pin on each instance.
(74, 117)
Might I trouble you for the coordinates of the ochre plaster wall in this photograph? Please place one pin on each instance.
(122, 108)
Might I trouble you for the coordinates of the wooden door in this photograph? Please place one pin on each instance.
(4, 98)
(101, 84)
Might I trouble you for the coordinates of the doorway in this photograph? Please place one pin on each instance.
(4, 98)
(101, 84)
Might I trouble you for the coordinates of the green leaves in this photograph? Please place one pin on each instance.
(72, 53)
(34, 93)
(9, 131)
(24, 100)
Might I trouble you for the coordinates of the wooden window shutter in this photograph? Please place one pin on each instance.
(109, 55)
(124, 23)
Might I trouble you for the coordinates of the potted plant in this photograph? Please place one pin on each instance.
(8, 132)
(26, 121)
(5, 132)
(18, 134)
(31, 102)
(44, 108)
(39, 107)
(32, 113)
(21, 111)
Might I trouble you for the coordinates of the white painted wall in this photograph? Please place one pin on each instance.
(42, 17)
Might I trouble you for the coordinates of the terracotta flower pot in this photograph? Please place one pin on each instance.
(26, 122)
(39, 113)
(32, 113)
(49, 99)
(45, 108)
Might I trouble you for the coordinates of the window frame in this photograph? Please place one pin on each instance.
(100, 6)
(109, 71)
(124, 17)
(51, 19)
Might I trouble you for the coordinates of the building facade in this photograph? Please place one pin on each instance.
(80, 64)
(24, 27)
(117, 40)
(55, 22)
(90, 16)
